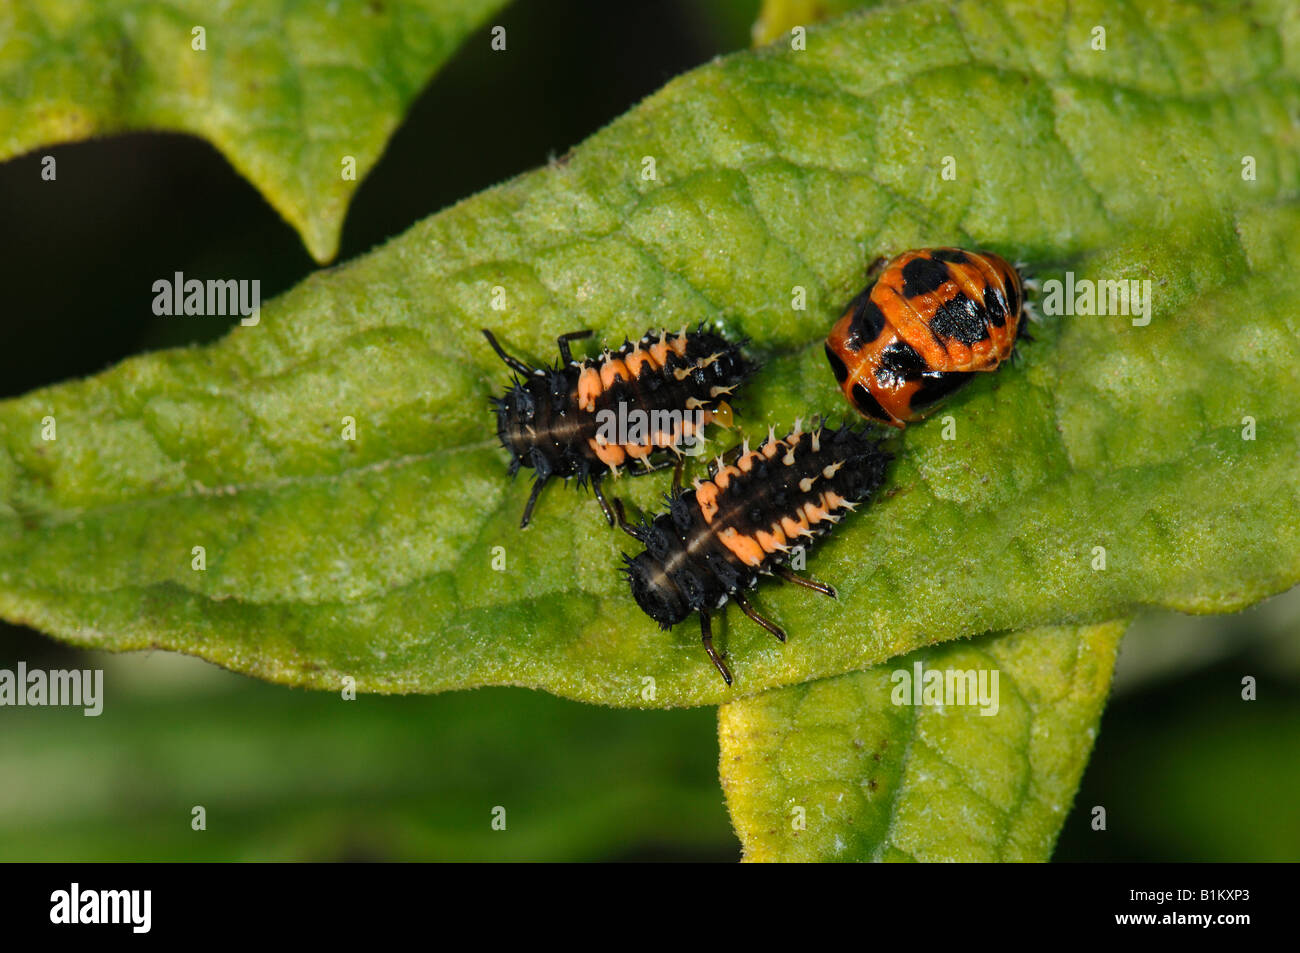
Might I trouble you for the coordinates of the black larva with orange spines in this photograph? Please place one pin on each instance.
(720, 536)
(585, 418)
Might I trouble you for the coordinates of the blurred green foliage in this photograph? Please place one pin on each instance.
(289, 775)
(1193, 773)
(1185, 769)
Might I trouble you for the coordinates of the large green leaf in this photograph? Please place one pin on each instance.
(849, 768)
(285, 90)
(374, 558)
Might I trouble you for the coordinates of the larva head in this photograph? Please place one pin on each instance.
(654, 590)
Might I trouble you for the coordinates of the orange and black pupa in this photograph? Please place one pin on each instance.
(640, 407)
(723, 534)
(930, 320)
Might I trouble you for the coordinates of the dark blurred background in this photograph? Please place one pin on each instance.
(1185, 769)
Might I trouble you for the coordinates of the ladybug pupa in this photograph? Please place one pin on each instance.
(928, 321)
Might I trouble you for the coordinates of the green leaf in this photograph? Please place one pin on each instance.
(374, 558)
(284, 90)
(848, 768)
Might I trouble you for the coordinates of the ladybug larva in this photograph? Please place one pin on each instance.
(721, 535)
(929, 320)
(629, 407)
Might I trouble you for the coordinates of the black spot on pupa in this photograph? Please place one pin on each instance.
(954, 255)
(922, 276)
(837, 366)
(867, 404)
(868, 321)
(935, 387)
(899, 362)
(1013, 298)
(961, 319)
(995, 306)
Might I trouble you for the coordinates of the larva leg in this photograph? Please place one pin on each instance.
(789, 575)
(706, 636)
(532, 500)
(749, 610)
(604, 504)
(511, 362)
(563, 342)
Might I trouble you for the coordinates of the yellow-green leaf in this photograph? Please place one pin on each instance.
(777, 18)
(851, 768)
